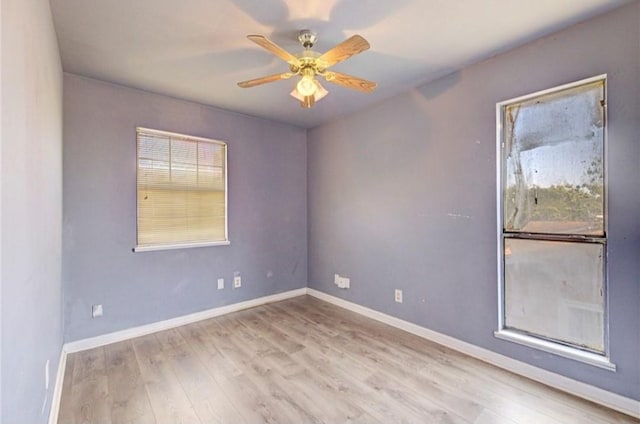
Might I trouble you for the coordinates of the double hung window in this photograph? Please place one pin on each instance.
(552, 220)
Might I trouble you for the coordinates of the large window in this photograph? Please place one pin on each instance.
(552, 225)
(182, 191)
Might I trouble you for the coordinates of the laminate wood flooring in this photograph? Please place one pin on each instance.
(303, 361)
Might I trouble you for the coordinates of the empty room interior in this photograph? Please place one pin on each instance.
(343, 211)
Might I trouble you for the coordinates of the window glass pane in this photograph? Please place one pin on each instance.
(184, 175)
(183, 151)
(553, 158)
(152, 173)
(211, 154)
(211, 177)
(154, 147)
(555, 290)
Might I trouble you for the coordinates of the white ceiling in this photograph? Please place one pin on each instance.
(197, 50)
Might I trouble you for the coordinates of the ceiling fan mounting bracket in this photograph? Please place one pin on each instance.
(307, 38)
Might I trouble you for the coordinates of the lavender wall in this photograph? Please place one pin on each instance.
(403, 195)
(267, 211)
(31, 287)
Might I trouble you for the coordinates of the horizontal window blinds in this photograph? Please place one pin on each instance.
(181, 189)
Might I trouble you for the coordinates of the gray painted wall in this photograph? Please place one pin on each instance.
(31, 303)
(403, 195)
(267, 211)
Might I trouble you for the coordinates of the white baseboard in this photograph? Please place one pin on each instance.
(603, 397)
(586, 391)
(142, 330)
(57, 388)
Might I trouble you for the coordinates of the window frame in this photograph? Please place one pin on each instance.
(171, 246)
(522, 337)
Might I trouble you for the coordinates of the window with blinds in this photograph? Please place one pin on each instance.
(182, 191)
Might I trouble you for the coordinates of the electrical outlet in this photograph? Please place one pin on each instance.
(237, 282)
(220, 283)
(398, 297)
(47, 370)
(96, 311)
(341, 282)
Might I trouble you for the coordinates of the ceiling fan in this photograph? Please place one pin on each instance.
(310, 64)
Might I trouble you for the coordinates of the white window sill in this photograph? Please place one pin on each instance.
(180, 246)
(557, 349)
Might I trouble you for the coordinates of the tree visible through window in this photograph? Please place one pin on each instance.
(553, 234)
(182, 190)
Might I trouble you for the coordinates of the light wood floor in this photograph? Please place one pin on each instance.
(303, 361)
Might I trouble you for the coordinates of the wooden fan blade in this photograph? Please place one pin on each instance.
(352, 82)
(272, 47)
(264, 80)
(349, 47)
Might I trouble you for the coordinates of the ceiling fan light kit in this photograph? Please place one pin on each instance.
(307, 84)
(309, 101)
(310, 64)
